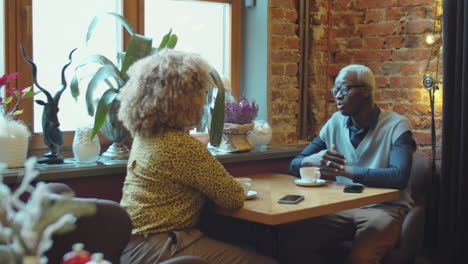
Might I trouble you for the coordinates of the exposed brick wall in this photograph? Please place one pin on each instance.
(388, 36)
(284, 58)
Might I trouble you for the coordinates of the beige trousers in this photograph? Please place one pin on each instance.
(152, 249)
(373, 231)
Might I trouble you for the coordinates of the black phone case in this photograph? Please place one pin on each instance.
(351, 188)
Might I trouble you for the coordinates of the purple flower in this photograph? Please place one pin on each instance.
(242, 112)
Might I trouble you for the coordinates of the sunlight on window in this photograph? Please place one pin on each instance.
(58, 27)
(202, 27)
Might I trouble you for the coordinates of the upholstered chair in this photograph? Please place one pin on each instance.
(108, 231)
(412, 232)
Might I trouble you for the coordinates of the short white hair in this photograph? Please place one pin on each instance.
(363, 75)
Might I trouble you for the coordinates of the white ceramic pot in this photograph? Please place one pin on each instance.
(14, 150)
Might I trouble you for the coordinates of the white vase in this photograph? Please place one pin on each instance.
(14, 141)
(84, 148)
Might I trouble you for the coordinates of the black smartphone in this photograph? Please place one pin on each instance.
(291, 199)
(353, 188)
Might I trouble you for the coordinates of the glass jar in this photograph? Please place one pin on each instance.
(86, 149)
(260, 135)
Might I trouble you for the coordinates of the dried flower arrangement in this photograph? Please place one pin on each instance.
(26, 228)
(242, 112)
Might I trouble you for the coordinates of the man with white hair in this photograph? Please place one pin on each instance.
(365, 145)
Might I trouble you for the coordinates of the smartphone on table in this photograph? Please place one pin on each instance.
(353, 188)
(291, 199)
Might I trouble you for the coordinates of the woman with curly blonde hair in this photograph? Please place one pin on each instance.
(171, 175)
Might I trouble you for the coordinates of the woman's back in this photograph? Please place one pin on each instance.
(169, 178)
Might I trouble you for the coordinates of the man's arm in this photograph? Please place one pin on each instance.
(314, 147)
(397, 175)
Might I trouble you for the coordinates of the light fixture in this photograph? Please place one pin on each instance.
(430, 38)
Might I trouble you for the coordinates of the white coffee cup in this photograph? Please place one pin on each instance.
(310, 174)
(246, 183)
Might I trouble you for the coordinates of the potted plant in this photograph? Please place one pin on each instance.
(239, 118)
(115, 77)
(14, 134)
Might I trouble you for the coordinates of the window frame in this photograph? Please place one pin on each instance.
(18, 30)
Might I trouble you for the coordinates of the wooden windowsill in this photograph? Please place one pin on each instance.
(105, 167)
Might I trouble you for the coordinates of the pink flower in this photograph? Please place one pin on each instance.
(6, 78)
(13, 95)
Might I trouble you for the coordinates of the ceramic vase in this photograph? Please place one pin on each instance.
(115, 131)
(14, 142)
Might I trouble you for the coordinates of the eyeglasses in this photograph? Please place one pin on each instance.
(344, 89)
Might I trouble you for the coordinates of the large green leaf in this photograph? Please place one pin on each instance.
(172, 41)
(102, 110)
(102, 75)
(217, 116)
(138, 47)
(74, 87)
(98, 17)
(96, 58)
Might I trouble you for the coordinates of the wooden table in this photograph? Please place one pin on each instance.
(320, 200)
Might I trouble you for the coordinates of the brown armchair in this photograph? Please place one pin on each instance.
(108, 231)
(412, 232)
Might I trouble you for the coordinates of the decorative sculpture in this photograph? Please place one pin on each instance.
(53, 137)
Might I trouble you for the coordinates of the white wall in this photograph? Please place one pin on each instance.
(254, 68)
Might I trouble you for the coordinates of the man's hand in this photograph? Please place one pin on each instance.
(333, 164)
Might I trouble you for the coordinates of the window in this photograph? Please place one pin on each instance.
(52, 42)
(50, 29)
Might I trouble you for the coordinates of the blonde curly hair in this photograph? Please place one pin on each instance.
(165, 91)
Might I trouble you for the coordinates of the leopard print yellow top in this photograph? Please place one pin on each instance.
(170, 176)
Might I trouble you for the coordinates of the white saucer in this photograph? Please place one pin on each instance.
(301, 182)
(251, 194)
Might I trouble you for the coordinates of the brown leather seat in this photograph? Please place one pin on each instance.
(108, 231)
(412, 232)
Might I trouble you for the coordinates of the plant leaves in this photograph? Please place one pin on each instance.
(217, 115)
(74, 88)
(98, 17)
(165, 40)
(172, 41)
(97, 58)
(102, 110)
(30, 94)
(138, 47)
(104, 73)
(8, 100)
